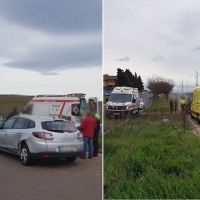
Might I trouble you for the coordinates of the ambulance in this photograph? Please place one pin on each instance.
(70, 106)
(122, 102)
(195, 105)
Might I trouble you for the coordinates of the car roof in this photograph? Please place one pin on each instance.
(35, 117)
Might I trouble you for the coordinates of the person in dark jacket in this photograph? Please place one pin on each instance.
(96, 135)
(171, 105)
(88, 125)
(13, 113)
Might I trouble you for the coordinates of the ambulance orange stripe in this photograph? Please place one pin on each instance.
(61, 110)
(61, 101)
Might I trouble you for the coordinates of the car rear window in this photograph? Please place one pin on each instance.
(58, 126)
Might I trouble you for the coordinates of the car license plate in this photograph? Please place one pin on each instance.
(67, 149)
(116, 113)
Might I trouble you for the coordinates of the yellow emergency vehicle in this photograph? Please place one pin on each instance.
(195, 106)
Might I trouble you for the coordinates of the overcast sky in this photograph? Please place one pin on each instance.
(51, 47)
(153, 37)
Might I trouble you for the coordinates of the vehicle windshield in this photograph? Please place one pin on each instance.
(120, 97)
(58, 126)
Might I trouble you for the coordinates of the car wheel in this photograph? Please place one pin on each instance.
(25, 156)
(71, 159)
(138, 111)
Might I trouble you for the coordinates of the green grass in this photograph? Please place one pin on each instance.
(160, 105)
(100, 141)
(161, 162)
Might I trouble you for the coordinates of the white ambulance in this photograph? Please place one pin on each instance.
(70, 106)
(122, 102)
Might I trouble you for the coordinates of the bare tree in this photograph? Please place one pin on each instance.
(158, 84)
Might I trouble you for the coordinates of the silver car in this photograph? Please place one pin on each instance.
(36, 137)
(141, 104)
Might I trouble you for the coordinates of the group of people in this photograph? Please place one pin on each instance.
(90, 127)
(184, 104)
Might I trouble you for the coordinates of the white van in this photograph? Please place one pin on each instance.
(123, 101)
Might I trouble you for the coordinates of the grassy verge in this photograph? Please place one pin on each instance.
(150, 161)
(160, 105)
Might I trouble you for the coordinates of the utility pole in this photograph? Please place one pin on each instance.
(196, 75)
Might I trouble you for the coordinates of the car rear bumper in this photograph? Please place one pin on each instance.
(46, 155)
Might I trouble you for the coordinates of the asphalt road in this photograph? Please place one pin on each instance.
(146, 99)
(50, 180)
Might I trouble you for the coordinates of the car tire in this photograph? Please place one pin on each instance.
(198, 120)
(71, 159)
(25, 156)
(138, 111)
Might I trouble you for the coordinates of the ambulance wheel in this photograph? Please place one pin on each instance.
(198, 120)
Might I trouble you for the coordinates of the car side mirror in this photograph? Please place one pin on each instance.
(134, 100)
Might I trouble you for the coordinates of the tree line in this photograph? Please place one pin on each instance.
(126, 78)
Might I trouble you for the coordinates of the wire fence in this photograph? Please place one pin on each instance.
(123, 136)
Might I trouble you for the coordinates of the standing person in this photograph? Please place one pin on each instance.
(187, 105)
(96, 135)
(182, 101)
(88, 125)
(171, 105)
(13, 113)
(175, 104)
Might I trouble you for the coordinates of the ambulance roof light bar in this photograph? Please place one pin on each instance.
(76, 95)
(50, 95)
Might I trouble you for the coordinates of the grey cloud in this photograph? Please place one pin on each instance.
(197, 48)
(49, 36)
(48, 60)
(158, 58)
(188, 25)
(58, 17)
(124, 59)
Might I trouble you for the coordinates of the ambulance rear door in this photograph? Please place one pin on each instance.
(57, 105)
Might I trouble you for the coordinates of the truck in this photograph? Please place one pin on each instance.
(69, 106)
(122, 102)
(195, 105)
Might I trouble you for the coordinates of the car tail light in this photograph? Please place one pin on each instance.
(80, 136)
(69, 118)
(43, 135)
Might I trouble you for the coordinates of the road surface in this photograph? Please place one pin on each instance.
(195, 125)
(50, 180)
(147, 101)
